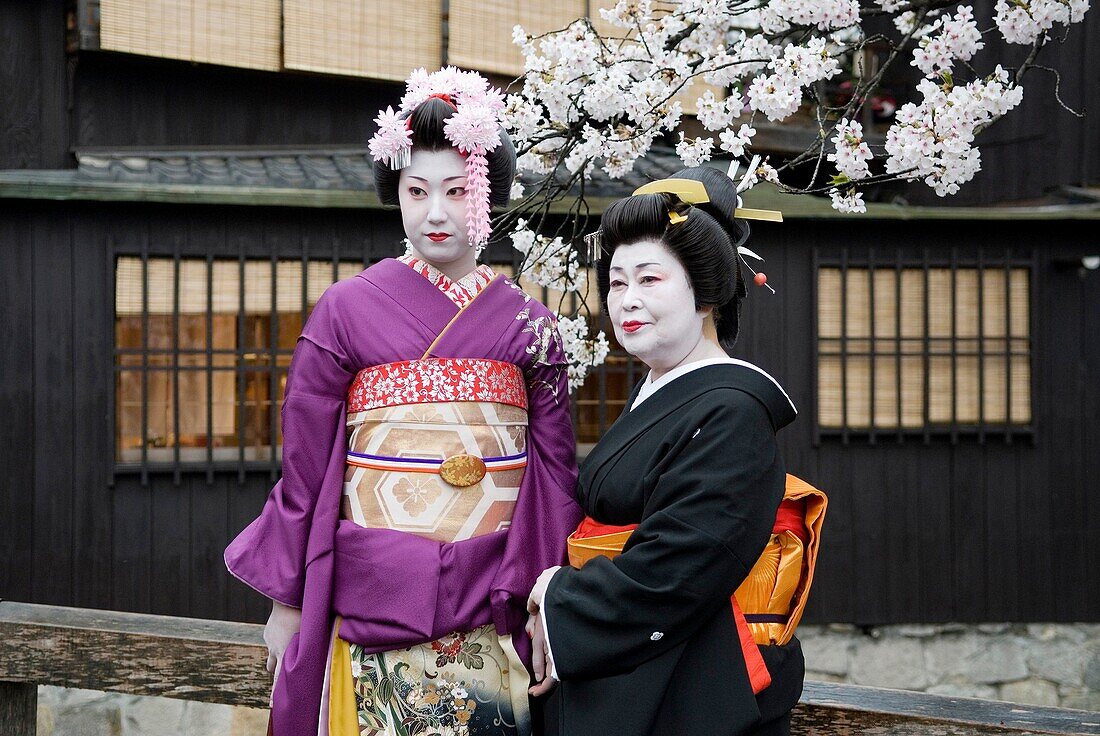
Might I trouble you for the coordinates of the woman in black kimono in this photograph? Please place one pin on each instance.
(645, 642)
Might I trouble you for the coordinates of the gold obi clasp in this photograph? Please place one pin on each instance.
(462, 471)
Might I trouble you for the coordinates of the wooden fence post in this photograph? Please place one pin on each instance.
(18, 708)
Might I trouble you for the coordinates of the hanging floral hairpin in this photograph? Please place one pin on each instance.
(474, 130)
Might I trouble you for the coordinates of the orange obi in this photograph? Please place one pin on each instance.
(773, 595)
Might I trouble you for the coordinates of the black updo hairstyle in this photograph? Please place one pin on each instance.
(705, 243)
(428, 119)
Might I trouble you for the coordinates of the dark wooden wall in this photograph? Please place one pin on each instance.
(916, 532)
(67, 535)
(940, 531)
(34, 86)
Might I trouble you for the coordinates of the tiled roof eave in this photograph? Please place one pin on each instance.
(66, 185)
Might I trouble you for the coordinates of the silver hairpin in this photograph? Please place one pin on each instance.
(593, 243)
(402, 159)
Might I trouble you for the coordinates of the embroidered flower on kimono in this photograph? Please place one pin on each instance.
(464, 709)
(431, 697)
(545, 336)
(459, 692)
(448, 731)
(448, 650)
(356, 668)
(416, 495)
(516, 287)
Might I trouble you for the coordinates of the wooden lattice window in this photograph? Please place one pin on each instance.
(202, 346)
(923, 345)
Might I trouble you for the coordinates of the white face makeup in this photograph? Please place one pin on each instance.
(432, 195)
(652, 307)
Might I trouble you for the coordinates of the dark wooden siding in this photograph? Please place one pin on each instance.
(943, 531)
(916, 532)
(34, 78)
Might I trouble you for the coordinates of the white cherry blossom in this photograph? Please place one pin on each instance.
(597, 94)
(850, 151)
(958, 38)
(694, 152)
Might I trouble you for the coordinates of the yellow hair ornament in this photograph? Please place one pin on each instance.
(747, 213)
(693, 192)
(688, 190)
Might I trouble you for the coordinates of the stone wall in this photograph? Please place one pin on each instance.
(1038, 664)
(63, 712)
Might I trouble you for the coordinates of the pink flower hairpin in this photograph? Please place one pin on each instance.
(474, 130)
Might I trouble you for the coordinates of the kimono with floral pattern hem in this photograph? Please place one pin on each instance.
(301, 553)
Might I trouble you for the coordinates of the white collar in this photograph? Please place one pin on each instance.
(650, 386)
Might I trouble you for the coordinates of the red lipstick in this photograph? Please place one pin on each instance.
(438, 237)
(632, 326)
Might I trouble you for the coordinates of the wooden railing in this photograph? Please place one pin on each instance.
(223, 662)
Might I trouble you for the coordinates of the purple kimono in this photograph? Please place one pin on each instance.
(299, 552)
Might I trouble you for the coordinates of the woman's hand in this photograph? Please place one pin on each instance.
(539, 657)
(534, 601)
(540, 652)
(282, 625)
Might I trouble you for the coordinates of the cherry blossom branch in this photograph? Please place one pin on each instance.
(588, 100)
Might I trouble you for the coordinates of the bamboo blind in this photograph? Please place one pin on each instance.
(481, 30)
(244, 33)
(976, 373)
(381, 39)
(226, 282)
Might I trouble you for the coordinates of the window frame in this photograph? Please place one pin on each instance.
(925, 259)
(243, 250)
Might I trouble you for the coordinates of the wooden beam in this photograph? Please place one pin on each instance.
(223, 662)
(826, 705)
(192, 659)
(18, 708)
(62, 186)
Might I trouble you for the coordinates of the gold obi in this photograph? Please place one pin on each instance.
(583, 549)
(774, 594)
(444, 461)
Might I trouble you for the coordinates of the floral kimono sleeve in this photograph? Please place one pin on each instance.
(547, 501)
(271, 554)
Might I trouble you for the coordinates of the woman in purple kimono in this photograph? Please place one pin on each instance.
(428, 457)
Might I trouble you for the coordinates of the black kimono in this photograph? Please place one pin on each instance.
(646, 643)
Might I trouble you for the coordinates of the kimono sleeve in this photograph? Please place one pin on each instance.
(271, 554)
(547, 509)
(704, 525)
